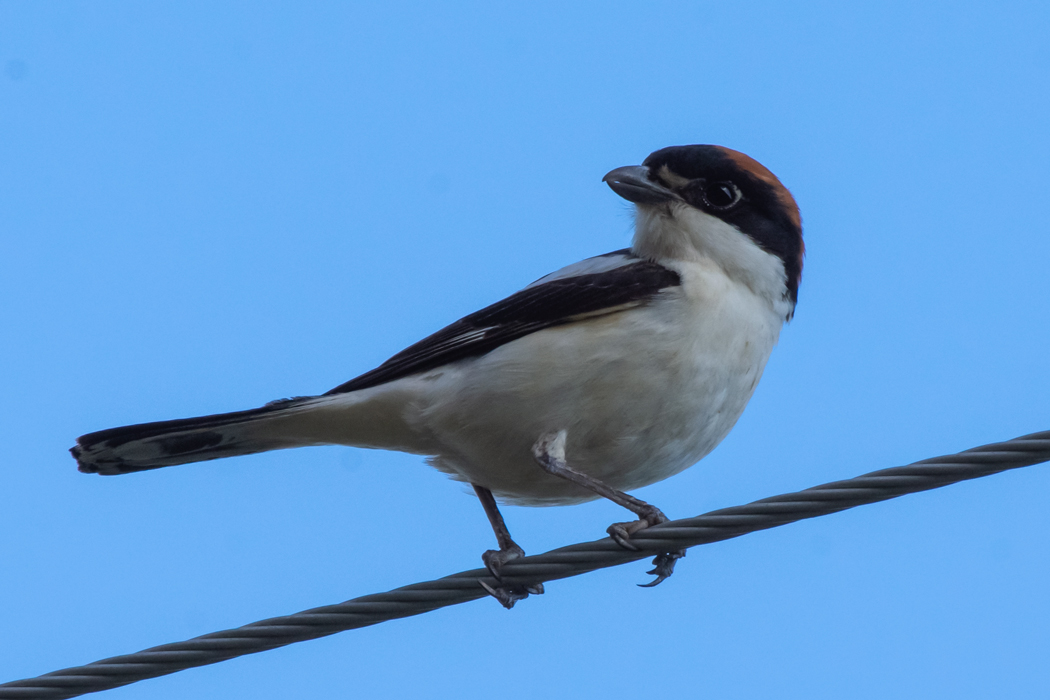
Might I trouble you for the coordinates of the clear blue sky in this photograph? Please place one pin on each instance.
(209, 205)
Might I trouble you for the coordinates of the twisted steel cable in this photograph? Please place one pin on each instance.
(559, 563)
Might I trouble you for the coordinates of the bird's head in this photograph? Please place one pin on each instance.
(715, 203)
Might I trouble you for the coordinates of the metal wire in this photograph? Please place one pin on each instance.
(559, 563)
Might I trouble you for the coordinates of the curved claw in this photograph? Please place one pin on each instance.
(621, 532)
(534, 588)
(655, 582)
(509, 595)
(506, 597)
(663, 567)
(622, 536)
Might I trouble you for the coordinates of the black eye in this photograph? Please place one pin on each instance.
(721, 195)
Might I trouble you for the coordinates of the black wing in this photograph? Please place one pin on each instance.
(551, 301)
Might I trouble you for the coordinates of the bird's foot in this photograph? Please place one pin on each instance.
(663, 567)
(647, 517)
(663, 564)
(495, 559)
(506, 594)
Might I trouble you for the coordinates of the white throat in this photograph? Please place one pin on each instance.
(680, 232)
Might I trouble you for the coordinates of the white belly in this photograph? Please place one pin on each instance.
(643, 393)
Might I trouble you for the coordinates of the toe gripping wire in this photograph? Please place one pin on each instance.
(529, 571)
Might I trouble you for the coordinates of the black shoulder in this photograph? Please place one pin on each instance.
(593, 287)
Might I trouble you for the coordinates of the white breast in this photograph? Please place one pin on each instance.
(643, 393)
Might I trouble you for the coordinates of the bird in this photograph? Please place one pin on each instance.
(605, 376)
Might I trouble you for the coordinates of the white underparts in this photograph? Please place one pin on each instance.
(642, 393)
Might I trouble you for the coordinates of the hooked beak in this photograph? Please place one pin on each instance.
(633, 184)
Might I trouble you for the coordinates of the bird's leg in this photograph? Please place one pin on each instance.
(549, 451)
(508, 551)
(508, 548)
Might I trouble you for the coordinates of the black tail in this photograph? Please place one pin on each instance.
(135, 448)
